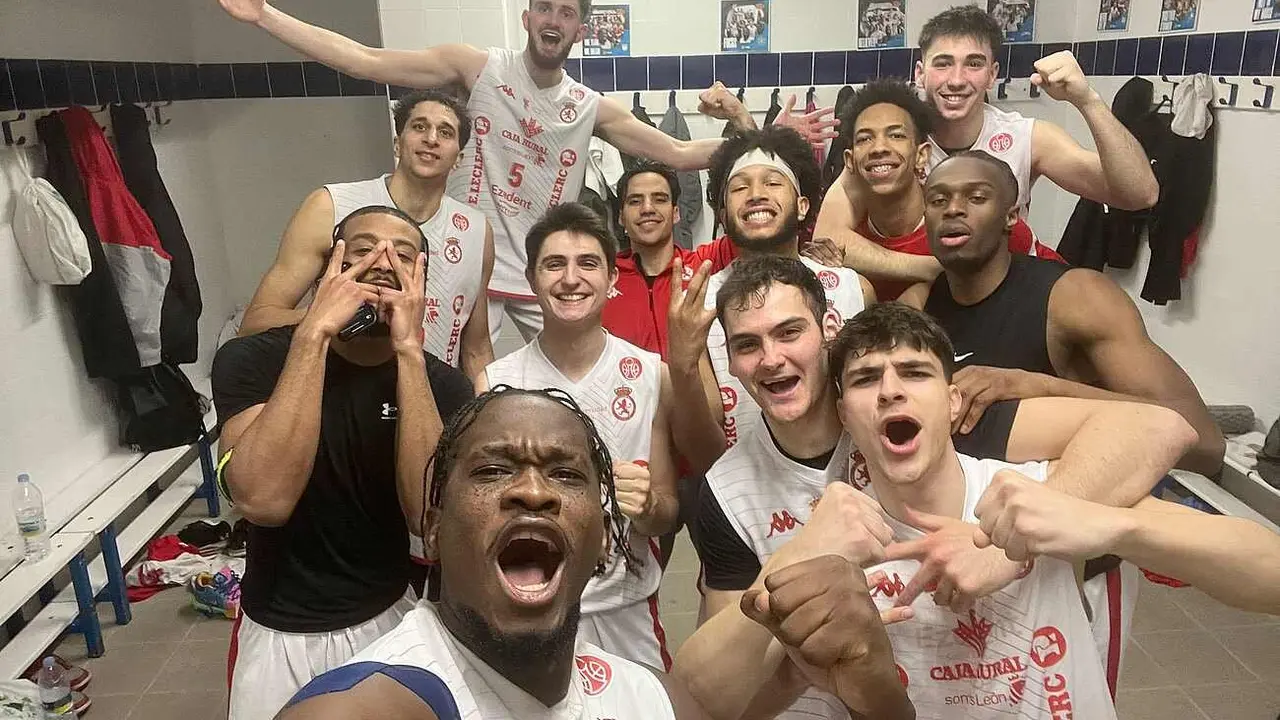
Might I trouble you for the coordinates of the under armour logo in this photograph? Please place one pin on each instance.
(782, 522)
(389, 411)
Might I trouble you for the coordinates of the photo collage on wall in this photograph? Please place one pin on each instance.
(882, 24)
(1113, 15)
(1266, 10)
(744, 26)
(1016, 17)
(1176, 15)
(608, 32)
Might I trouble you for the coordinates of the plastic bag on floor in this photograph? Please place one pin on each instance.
(20, 700)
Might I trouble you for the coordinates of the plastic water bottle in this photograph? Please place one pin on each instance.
(28, 505)
(55, 689)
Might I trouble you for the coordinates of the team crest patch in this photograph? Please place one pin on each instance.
(482, 125)
(595, 674)
(859, 478)
(630, 367)
(568, 114)
(623, 406)
(829, 280)
(1048, 647)
(728, 398)
(577, 94)
(452, 247)
(458, 302)
(461, 222)
(568, 158)
(1000, 143)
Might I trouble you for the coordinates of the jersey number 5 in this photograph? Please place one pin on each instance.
(517, 175)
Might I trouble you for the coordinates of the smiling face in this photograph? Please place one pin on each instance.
(763, 209)
(572, 279)
(553, 27)
(428, 146)
(955, 73)
(887, 151)
(776, 350)
(648, 214)
(969, 211)
(520, 527)
(898, 407)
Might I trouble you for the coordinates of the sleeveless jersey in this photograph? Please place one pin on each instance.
(1026, 651)
(1008, 328)
(604, 686)
(455, 261)
(844, 300)
(620, 395)
(1006, 135)
(528, 153)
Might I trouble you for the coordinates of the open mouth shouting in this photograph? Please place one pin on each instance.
(550, 37)
(781, 389)
(954, 234)
(900, 434)
(530, 561)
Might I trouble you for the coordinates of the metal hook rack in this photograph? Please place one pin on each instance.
(155, 110)
(1230, 101)
(9, 139)
(1265, 103)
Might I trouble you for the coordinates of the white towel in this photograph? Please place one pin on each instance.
(1192, 103)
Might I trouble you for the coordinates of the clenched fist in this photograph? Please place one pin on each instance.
(1025, 518)
(845, 522)
(1060, 76)
(631, 483)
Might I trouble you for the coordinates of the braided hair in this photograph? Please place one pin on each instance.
(437, 473)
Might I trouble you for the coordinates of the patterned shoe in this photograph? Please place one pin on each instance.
(216, 594)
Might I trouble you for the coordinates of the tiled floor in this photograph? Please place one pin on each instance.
(1191, 658)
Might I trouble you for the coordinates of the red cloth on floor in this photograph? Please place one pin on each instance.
(153, 580)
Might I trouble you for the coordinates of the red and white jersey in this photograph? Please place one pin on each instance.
(605, 685)
(844, 300)
(455, 260)
(528, 153)
(1026, 651)
(620, 395)
(1006, 135)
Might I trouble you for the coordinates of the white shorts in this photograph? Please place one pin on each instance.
(526, 314)
(266, 667)
(633, 632)
(1112, 598)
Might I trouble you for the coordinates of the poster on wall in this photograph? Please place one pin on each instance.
(744, 26)
(1113, 15)
(1016, 17)
(1178, 15)
(608, 32)
(1266, 10)
(882, 24)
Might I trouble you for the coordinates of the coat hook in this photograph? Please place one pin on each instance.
(8, 132)
(742, 94)
(1002, 90)
(1235, 90)
(155, 109)
(1035, 90)
(1266, 99)
(773, 99)
(809, 97)
(1174, 83)
(671, 99)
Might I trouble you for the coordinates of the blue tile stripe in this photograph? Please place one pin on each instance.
(39, 83)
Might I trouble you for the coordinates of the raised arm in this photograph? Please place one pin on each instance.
(477, 348)
(432, 67)
(1119, 173)
(298, 265)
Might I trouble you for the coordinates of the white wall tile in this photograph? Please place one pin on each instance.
(483, 27)
(441, 27)
(405, 29)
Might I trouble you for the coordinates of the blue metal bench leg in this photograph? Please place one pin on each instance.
(87, 622)
(209, 488)
(116, 589)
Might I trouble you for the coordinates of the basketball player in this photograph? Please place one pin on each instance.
(532, 124)
(760, 491)
(626, 392)
(959, 48)
(517, 528)
(323, 435)
(431, 130)
(887, 127)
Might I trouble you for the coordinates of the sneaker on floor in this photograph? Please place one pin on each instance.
(238, 538)
(216, 593)
(209, 536)
(78, 677)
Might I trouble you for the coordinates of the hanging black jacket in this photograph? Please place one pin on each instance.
(179, 335)
(834, 165)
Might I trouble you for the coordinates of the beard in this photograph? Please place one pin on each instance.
(786, 234)
(512, 654)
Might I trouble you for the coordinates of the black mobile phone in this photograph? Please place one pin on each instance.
(364, 319)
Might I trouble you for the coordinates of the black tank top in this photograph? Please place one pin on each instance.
(1008, 328)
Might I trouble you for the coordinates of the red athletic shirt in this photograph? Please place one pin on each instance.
(1022, 241)
(637, 312)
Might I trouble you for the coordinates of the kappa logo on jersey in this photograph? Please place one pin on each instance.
(453, 247)
(527, 104)
(728, 398)
(1048, 647)
(859, 477)
(829, 280)
(624, 406)
(577, 94)
(508, 91)
(975, 633)
(482, 125)
(458, 302)
(389, 411)
(1000, 143)
(568, 158)
(531, 127)
(782, 522)
(630, 367)
(595, 674)
(613, 292)
(889, 586)
(461, 222)
(568, 114)
(432, 310)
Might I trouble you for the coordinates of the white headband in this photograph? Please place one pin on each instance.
(760, 157)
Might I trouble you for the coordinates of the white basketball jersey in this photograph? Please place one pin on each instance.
(528, 153)
(620, 395)
(1006, 135)
(605, 686)
(844, 300)
(455, 260)
(1026, 651)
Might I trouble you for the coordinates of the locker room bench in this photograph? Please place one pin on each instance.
(75, 518)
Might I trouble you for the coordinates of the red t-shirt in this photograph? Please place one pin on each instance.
(1022, 241)
(637, 312)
